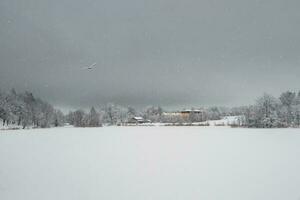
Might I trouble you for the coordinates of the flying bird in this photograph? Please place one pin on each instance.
(89, 67)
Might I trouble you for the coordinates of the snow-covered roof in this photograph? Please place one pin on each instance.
(138, 118)
(190, 110)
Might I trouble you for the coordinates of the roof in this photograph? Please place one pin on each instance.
(138, 118)
(189, 110)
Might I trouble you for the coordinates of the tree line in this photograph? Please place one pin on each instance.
(267, 112)
(271, 112)
(26, 110)
(111, 114)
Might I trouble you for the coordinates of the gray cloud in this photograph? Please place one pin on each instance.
(171, 53)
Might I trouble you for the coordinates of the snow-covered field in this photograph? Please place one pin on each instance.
(143, 163)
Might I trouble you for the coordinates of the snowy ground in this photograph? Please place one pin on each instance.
(143, 163)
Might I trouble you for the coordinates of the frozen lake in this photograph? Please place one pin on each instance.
(150, 163)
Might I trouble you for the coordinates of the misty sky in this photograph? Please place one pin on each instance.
(171, 53)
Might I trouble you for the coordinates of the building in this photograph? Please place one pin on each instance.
(138, 120)
(194, 115)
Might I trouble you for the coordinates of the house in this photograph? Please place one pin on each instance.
(138, 120)
(187, 115)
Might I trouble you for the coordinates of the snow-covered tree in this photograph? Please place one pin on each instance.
(79, 118)
(131, 112)
(266, 109)
(93, 118)
(23, 109)
(114, 114)
(288, 99)
(59, 118)
(153, 113)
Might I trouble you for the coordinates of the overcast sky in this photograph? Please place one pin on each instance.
(172, 53)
